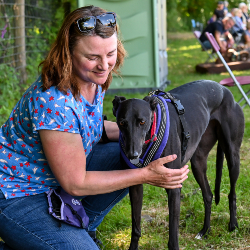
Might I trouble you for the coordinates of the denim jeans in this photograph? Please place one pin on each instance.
(207, 44)
(26, 224)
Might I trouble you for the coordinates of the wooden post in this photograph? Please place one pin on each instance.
(20, 48)
(67, 8)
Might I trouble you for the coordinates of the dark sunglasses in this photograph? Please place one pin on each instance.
(86, 24)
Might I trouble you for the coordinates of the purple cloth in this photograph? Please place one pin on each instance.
(66, 208)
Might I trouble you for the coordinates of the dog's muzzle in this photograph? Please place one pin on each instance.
(134, 161)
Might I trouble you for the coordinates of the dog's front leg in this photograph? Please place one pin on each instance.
(136, 197)
(174, 197)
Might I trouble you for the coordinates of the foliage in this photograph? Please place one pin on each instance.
(115, 230)
(10, 91)
(180, 13)
(40, 34)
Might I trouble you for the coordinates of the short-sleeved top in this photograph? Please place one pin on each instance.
(211, 28)
(219, 13)
(24, 169)
(238, 26)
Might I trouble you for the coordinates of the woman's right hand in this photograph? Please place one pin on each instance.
(158, 175)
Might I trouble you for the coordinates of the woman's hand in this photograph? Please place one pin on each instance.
(158, 175)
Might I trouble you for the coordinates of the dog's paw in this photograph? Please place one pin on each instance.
(233, 226)
(202, 234)
(198, 236)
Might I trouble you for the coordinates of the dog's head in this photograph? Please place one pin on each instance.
(134, 118)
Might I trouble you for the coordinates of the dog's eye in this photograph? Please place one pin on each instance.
(121, 123)
(142, 122)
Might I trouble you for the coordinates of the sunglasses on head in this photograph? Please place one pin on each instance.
(86, 24)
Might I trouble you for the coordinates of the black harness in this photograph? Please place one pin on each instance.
(180, 110)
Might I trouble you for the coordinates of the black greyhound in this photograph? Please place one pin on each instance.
(211, 115)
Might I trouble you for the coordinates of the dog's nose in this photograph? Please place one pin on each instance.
(134, 155)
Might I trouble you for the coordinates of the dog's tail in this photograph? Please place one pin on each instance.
(219, 167)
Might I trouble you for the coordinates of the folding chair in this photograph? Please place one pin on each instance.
(211, 55)
(196, 25)
(232, 81)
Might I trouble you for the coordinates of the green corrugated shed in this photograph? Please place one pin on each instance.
(144, 33)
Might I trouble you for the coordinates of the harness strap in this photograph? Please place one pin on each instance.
(180, 110)
(160, 130)
(185, 133)
(155, 147)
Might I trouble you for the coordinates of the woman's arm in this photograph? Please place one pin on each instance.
(66, 157)
(112, 130)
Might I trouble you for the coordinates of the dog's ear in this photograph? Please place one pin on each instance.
(152, 101)
(116, 102)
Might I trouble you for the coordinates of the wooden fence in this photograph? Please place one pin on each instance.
(23, 36)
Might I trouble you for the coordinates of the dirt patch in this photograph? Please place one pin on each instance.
(180, 35)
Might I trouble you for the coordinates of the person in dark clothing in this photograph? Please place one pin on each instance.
(218, 29)
(219, 12)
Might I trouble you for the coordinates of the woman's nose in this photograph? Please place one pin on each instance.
(103, 65)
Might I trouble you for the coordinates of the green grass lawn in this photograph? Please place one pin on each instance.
(115, 231)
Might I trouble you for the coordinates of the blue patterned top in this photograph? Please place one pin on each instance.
(24, 169)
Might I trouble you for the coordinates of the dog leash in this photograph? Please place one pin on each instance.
(153, 131)
(155, 147)
(181, 111)
(161, 132)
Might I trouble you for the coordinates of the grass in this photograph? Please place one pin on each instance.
(115, 231)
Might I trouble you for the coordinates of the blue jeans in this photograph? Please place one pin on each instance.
(207, 44)
(26, 224)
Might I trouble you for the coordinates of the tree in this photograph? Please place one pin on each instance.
(180, 12)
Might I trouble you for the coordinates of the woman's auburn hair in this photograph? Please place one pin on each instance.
(57, 67)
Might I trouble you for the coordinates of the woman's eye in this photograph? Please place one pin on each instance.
(92, 58)
(142, 122)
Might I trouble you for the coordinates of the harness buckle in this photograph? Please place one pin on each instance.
(179, 107)
(186, 135)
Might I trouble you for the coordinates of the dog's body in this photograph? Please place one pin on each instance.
(212, 115)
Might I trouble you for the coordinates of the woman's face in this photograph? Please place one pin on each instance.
(239, 13)
(93, 58)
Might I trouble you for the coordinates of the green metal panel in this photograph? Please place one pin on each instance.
(139, 23)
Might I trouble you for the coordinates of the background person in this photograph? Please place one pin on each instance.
(225, 8)
(246, 35)
(245, 15)
(219, 12)
(239, 26)
(218, 29)
(51, 139)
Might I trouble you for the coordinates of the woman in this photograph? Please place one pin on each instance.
(51, 139)
(239, 26)
(245, 15)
